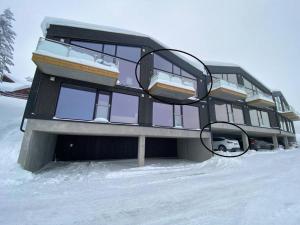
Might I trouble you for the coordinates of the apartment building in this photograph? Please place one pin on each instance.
(92, 98)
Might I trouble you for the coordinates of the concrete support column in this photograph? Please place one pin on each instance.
(275, 141)
(141, 151)
(286, 142)
(245, 141)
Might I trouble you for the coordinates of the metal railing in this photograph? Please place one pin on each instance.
(173, 79)
(80, 54)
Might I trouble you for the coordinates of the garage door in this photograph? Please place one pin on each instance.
(74, 148)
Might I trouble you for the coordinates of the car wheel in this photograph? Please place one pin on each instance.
(222, 148)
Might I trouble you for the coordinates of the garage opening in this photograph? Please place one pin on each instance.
(161, 148)
(85, 148)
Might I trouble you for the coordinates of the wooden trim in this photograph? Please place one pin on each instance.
(159, 85)
(222, 90)
(38, 58)
(261, 102)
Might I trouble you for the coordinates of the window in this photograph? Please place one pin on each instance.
(127, 73)
(221, 112)
(162, 114)
(162, 64)
(129, 53)
(278, 104)
(232, 78)
(229, 113)
(76, 103)
(177, 116)
(89, 45)
(190, 117)
(238, 114)
(109, 49)
(102, 107)
(124, 108)
(265, 122)
(259, 118)
(254, 117)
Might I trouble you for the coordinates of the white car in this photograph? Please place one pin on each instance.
(225, 144)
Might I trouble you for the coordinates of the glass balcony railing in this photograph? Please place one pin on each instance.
(173, 79)
(76, 54)
(263, 96)
(225, 84)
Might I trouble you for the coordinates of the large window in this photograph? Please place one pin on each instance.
(229, 113)
(278, 104)
(162, 114)
(250, 88)
(124, 108)
(259, 118)
(75, 103)
(128, 57)
(102, 107)
(190, 117)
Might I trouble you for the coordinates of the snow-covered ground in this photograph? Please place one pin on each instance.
(257, 188)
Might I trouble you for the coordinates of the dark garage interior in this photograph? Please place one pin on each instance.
(85, 148)
(161, 147)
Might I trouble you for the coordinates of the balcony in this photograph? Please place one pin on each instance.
(226, 90)
(173, 86)
(69, 61)
(260, 100)
(291, 114)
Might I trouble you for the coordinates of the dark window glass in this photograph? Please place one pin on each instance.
(176, 70)
(75, 103)
(162, 64)
(130, 53)
(124, 108)
(110, 49)
(221, 112)
(190, 117)
(127, 73)
(162, 114)
(90, 45)
(238, 114)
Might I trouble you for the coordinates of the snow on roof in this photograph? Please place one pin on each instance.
(216, 63)
(72, 23)
(11, 87)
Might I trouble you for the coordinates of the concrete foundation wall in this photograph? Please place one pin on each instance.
(192, 149)
(37, 150)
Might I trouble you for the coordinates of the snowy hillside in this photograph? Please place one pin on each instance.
(259, 188)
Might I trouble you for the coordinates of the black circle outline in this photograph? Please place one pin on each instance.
(226, 156)
(164, 101)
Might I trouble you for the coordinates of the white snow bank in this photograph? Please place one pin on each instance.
(261, 188)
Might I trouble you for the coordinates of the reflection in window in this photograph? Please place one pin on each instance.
(162, 114)
(177, 116)
(102, 108)
(221, 112)
(75, 103)
(162, 64)
(124, 108)
(89, 45)
(254, 117)
(265, 122)
(238, 114)
(190, 117)
(109, 49)
(127, 73)
(230, 113)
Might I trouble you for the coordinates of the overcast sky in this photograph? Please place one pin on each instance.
(263, 36)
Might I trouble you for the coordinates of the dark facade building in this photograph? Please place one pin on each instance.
(102, 93)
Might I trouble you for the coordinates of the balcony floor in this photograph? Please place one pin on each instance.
(58, 66)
